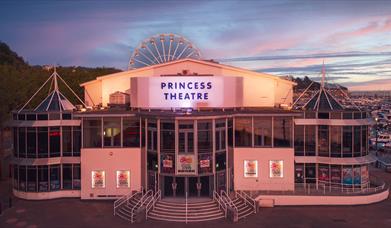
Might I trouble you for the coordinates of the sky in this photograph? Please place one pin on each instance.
(280, 37)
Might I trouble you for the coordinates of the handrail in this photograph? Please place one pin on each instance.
(219, 200)
(186, 207)
(248, 199)
(229, 200)
(140, 203)
(157, 196)
(124, 199)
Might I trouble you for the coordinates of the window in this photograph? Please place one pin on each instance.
(263, 131)
(336, 136)
(357, 141)
(230, 133)
(335, 175)
(43, 178)
(152, 137)
(323, 140)
(31, 142)
(22, 142)
(98, 179)
(276, 169)
(310, 173)
(310, 115)
(299, 140)
(220, 136)
(15, 177)
(31, 178)
(31, 117)
(335, 115)
(364, 140)
(357, 115)
(186, 137)
(152, 162)
(323, 173)
(76, 141)
(54, 177)
(112, 132)
(205, 162)
(167, 137)
(76, 176)
(92, 133)
(15, 142)
(250, 168)
(42, 116)
(55, 141)
(66, 116)
(323, 115)
(67, 176)
(347, 147)
(299, 173)
(205, 140)
(243, 132)
(347, 115)
(220, 161)
(310, 144)
(131, 132)
(43, 146)
(123, 179)
(282, 131)
(66, 141)
(22, 178)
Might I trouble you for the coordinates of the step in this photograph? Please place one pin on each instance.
(188, 220)
(159, 205)
(199, 217)
(183, 210)
(189, 203)
(183, 213)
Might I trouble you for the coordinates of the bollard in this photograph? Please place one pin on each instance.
(10, 202)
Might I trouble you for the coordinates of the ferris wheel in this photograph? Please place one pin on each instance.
(162, 48)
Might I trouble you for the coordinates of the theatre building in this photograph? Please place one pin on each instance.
(190, 127)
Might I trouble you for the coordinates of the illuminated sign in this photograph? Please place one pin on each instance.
(250, 168)
(98, 179)
(276, 168)
(123, 179)
(186, 164)
(186, 92)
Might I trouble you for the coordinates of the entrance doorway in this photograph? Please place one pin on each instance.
(194, 186)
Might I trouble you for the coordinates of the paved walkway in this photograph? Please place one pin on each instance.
(77, 213)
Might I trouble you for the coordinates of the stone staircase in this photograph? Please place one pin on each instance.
(125, 210)
(244, 209)
(176, 211)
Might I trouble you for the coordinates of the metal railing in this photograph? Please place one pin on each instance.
(125, 199)
(151, 204)
(229, 200)
(247, 199)
(222, 205)
(143, 200)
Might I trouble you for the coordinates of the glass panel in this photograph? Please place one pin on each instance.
(335, 141)
(15, 141)
(230, 133)
(357, 141)
(76, 176)
(364, 140)
(67, 176)
(167, 137)
(220, 161)
(205, 163)
(299, 173)
(310, 173)
(323, 173)
(310, 144)
(22, 178)
(15, 177)
(347, 147)
(43, 145)
(299, 140)
(54, 177)
(66, 141)
(335, 115)
(205, 139)
(42, 116)
(92, 133)
(112, 132)
(243, 132)
(31, 178)
(22, 142)
(31, 117)
(55, 141)
(43, 177)
(323, 115)
(323, 140)
(335, 175)
(31, 142)
(131, 132)
(76, 140)
(282, 131)
(347, 115)
(263, 131)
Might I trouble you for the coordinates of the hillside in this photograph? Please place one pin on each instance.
(19, 80)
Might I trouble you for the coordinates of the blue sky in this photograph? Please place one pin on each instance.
(280, 37)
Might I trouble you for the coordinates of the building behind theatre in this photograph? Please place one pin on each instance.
(191, 126)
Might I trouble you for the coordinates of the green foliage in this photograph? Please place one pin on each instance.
(19, 81)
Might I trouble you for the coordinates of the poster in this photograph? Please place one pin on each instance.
(347, 175)
(167, 163)
(335, 174)
(98, 179)
(299, 174)
(364, 174)
(123, 179)
(186, 164)
(205, 163)
(357, 175)
(276, 168)
(323, 174)
(250, 168)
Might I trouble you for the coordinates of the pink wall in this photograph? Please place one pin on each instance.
(110, 160)
(264, 181)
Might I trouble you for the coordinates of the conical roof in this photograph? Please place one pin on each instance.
(323, 101)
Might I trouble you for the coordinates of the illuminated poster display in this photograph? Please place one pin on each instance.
(98, 179)
(123, 179)
(276, 168)
(364, 174)
(204, 163)
(336, 174)
(347, 175)
(167, 163)
(357, 175)
(250, 168)
(323, 174)
(186, 164)
(186, 92)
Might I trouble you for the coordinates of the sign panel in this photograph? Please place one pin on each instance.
(276, 168)
(186, 92)
(123, 179)
(98, 179)
(250, 168)
(186, 164)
